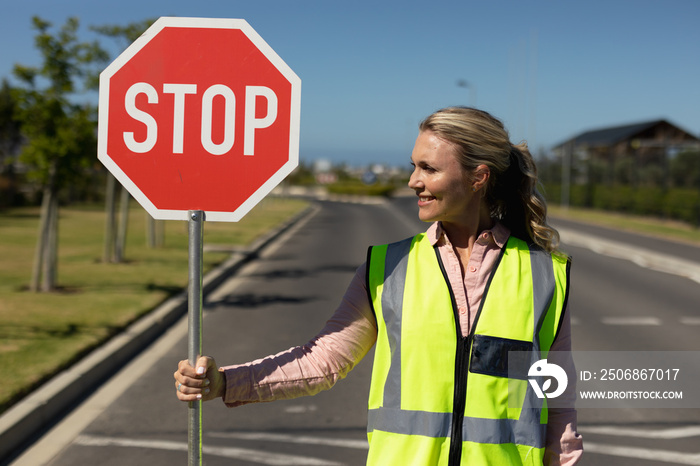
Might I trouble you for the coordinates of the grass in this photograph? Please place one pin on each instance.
(652, 226)
(41, 333)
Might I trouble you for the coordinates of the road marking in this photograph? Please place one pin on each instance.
(689, 320)
(253, 456)
(665, 434)
(631, 321)
(300, 409)
(642, 257)
(665, 456)
(302, 439)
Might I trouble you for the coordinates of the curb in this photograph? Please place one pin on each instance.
(38, 412)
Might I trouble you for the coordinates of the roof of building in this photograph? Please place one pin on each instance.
(612, 135)
(615, 134)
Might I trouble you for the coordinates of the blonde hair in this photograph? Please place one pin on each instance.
(511, 192)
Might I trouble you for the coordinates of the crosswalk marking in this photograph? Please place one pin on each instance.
(631, 320)
(637, 320)
(666, 434)
(253, 456)
(269, 458)
(666, 456)
(302, 439)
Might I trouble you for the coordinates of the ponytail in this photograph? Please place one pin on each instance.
(518, 204)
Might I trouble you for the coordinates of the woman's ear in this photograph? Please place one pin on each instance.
(480, 177)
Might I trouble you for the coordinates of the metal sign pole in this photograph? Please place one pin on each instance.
(194, 341)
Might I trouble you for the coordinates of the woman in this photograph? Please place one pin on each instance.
(443, 308)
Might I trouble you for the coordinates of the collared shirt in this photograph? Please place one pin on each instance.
(351, 332)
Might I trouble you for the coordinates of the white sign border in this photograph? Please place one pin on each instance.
(210, 23)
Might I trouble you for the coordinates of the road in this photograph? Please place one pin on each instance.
(283, 298)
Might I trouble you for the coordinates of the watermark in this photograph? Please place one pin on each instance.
(605, 379)
(549, 372)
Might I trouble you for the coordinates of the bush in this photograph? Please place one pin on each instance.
(649, 201)
(551, 193)
(683, 204)
(581, 196)
(622, 199)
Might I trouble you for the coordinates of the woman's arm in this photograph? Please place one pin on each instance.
(303, 370)
(564, 445)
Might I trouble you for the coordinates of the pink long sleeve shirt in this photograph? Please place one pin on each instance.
(351, 332)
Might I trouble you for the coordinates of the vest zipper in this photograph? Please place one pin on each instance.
(460, 398)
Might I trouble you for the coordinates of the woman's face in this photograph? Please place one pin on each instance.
(443, 187)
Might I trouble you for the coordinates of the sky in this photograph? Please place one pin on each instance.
(372, 70)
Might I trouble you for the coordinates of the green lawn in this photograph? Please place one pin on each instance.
(40, 333)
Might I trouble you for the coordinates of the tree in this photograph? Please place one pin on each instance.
(685, 169)
(60, 132)
(10, 140)
(115, 232)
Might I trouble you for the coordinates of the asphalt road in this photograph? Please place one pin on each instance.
(283, 298)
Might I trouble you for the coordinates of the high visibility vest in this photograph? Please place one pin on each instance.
(438, 398)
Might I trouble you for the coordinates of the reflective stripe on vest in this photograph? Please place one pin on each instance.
(413, 380)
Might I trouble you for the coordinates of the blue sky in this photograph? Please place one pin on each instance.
(371, 70)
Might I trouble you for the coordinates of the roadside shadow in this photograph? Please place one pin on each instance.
(295, 273)
(253, 301)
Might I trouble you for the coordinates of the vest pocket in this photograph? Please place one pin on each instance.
(490, 356)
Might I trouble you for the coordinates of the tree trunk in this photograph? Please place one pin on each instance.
(41, 241)
(46, 254)
(45, 266)
(50, 273)
(123, 225)
(154, 232)
(111, 222)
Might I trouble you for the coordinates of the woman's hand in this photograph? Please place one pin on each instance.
(202, 382)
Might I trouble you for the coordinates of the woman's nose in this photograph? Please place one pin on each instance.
(414, 181)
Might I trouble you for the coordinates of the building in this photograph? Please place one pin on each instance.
(626, 154)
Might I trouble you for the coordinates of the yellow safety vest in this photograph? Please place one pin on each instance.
(437, 398)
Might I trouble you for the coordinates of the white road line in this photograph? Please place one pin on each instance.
(642, 257)
(665, 434)
(688, 320)
(665, 456)
(631, 321)
(253, 456)
(302, 439)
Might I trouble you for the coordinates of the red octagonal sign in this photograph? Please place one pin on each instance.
(199, 114)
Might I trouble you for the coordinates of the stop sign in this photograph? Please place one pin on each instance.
(199, 114)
